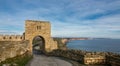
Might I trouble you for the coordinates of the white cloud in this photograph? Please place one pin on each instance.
(66, 17)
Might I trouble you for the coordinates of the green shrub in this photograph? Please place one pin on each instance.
(20, 60)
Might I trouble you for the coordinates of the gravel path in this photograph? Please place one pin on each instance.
(41, 60)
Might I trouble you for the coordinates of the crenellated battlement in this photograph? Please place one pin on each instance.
(11, 37)
(90, 54)
(37, 21)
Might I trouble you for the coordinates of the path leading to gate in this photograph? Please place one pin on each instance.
(41, 60)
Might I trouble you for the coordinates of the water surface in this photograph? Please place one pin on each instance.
(110, 45)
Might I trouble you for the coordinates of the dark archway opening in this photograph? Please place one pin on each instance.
(38, 45)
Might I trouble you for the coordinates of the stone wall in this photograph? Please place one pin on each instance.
(113, 59)
(89, 58)
(9, 49)
(80, 56)
(95, 58)
(69, 54)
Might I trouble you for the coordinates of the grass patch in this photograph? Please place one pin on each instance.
(20, 60)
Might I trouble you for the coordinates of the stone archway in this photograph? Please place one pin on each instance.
(38, 45)
(39, 28)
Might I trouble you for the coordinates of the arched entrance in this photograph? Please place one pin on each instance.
(41, 29)
(38, 45)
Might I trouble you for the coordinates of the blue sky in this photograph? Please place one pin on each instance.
(69, 18)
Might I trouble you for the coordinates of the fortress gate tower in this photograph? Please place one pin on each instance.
(41, 29)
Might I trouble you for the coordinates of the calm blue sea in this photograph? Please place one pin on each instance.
(110, 45)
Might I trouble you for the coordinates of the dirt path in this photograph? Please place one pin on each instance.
(41, 60)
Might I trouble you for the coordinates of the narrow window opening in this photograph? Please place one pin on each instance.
(10, 37)
(38, 27)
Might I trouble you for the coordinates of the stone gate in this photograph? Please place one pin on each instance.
(41, 29)
(34, 28)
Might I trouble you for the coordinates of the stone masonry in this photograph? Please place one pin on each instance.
(32, 29)
(13, 45)
(95, 58)
(42, 29)
(10, 49)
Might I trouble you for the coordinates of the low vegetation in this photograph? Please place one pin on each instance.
(20, 60)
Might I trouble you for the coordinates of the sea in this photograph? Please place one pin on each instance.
(99, 45)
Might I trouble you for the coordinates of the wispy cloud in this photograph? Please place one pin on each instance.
(79, 18)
